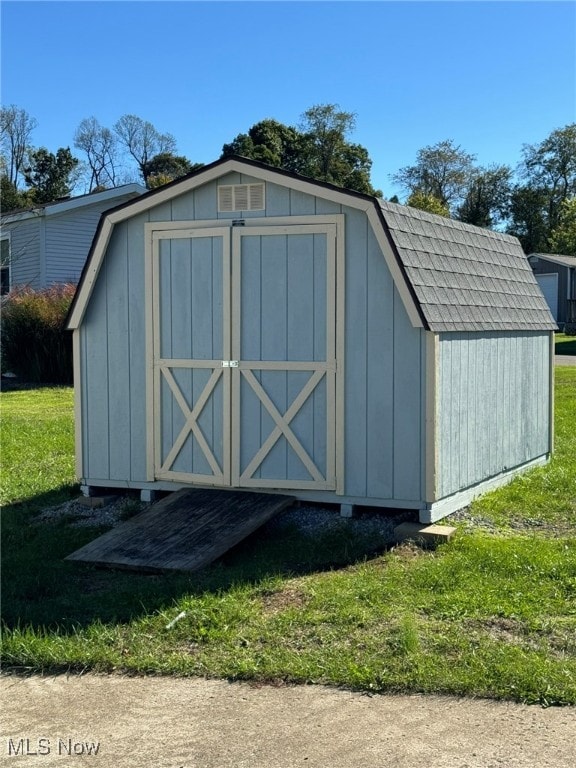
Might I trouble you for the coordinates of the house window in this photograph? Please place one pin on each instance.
(4, 265)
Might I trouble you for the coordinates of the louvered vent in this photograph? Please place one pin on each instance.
(241, 197)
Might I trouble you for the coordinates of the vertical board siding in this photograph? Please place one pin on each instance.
(118, 354)
(493, 398)
(356, 344)
(113, 363)
(95, 385)
(408, 395)
(379, 375)
(282, 318)
(383, 376)
(383, 353)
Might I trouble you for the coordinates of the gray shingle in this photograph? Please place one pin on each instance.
(466, 278)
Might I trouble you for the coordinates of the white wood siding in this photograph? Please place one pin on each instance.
(25, 246)
(492, 405)
(68, 240)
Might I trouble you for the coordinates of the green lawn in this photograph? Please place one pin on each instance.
(492, 613)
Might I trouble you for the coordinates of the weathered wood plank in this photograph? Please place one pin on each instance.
(185, 531)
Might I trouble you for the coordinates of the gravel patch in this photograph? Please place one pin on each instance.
(473, 521)
(313, 519)
(308, 519)
(515, 524)
(81, 516)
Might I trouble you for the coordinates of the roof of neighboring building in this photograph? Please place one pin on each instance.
(69, 203)
(458, 277)
(466, 278)
(555, 258)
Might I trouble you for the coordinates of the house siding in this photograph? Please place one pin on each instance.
(68, 240)
(50, 247)
(492, 409)
(383, 353)
(25, 248)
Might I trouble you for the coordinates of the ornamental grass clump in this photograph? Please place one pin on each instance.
(35, 345)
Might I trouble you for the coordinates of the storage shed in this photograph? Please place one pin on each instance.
(247, 328)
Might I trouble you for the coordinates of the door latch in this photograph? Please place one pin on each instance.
(229, 363)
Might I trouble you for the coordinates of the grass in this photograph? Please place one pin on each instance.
(37, 438)
(564, 345)
(492, 613)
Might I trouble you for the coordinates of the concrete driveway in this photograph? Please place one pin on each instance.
(119, 722)
(564, 359)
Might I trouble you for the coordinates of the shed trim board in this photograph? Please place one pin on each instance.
(77, 379)
(339, 347)
(551, 399)
(431, 418)
(431, 513)
(161, 369)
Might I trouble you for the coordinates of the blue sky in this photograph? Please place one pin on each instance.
(491, 76)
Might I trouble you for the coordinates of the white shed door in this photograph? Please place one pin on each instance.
(245, 356)
(549, 287)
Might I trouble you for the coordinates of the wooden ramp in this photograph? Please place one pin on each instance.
(185, 531)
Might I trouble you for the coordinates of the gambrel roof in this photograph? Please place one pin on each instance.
(466, 278)
(451, 276)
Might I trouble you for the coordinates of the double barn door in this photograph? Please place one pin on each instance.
(244, 356)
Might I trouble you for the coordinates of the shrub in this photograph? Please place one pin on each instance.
(35, 345)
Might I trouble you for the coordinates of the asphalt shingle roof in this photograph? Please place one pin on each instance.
(556, 258)
(466, 278)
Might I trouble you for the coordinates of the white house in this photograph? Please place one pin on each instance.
(49, 243)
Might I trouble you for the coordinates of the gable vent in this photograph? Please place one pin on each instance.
(241, 197)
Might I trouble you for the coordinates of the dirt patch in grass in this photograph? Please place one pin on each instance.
(474, 521)
(554, 640)
(276, 602)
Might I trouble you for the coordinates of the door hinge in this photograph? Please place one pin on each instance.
(229, 363)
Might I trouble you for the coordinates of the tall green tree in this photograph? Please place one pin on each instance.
(11, 198)
(329, 156)
(487, 198)
(424, 201)
(270, 142)
(319, 148)
(551, 167)
(165, 167)
(527, 218)
(563, 237)
(50, 176)
(443, 170)
(548, 174)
